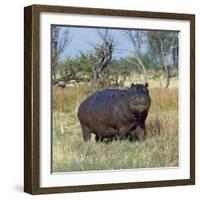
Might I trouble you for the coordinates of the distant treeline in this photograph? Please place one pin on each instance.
(153, 51)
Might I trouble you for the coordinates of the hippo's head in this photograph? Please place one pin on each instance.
(138, 97)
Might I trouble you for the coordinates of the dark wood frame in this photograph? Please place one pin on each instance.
(32, 106)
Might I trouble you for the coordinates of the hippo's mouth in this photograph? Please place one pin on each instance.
(139, 108)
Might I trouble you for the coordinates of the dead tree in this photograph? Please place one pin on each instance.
(103, 55)
(137, 37)
(165, 57)
(163, 45)
(59, 41)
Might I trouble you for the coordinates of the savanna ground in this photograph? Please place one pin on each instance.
(160, 148)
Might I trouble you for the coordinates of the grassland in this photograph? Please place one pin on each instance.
(70, 153)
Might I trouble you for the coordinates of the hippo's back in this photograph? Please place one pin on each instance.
(100, 104)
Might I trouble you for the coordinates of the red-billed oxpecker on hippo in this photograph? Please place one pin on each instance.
(114, 113)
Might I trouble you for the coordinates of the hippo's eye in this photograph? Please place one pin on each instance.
(143, 89)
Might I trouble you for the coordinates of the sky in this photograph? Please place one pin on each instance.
(84, 39)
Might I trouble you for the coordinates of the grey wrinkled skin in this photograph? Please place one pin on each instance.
(115, 114)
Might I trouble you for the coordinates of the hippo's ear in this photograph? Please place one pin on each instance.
(147, 85)
(132, 85)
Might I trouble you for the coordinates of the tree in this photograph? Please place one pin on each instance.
(60, 40)
(164, 46)
(103, 55)
(137, 38)
(78, 68)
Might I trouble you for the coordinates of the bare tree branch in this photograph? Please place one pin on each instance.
(137, 39)
(59, 44)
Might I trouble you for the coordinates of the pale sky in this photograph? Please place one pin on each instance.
(83, 39)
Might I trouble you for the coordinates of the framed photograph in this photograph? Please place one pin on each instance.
(109, 99)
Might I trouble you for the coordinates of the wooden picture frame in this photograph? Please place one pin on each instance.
(32, 98)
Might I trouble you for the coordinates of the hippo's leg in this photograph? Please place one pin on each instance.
(132, 136)
(140, 132)
(98, 138)
(86, 133)
(123, 133)
(114, 137)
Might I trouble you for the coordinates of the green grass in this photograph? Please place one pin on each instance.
(70, 153)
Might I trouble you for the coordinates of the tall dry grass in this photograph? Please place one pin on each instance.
(163, 114)
(68, 99)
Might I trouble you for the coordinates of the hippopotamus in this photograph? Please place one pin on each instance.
(115, 113)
